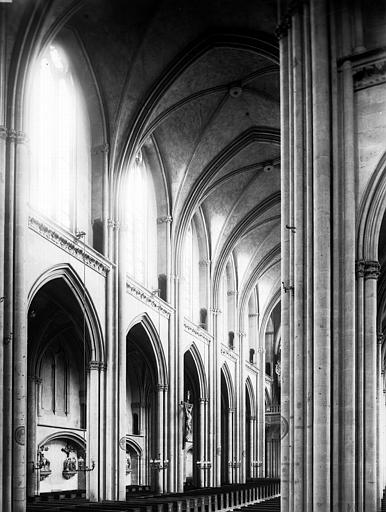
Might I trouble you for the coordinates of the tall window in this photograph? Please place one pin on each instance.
(142, 224)
(191, 275)
(60, 146)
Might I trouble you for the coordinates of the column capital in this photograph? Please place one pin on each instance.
(35, 379)
(231, 293)
(113, 224)
(17, 136)
(360, 268)
(380, 338)
(204, 263)
(285, 23)
(94, 365)
(3, 132)
(242, 334)
(166, 219)
(102, 148)
(372, 269)
(253, 315)
(215, 311)
(102, 367)
(161, 387)
(203, 400)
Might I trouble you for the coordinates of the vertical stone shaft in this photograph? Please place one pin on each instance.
(160, 434)
(19, 464)
(121, 362)
(308, 240)
(370, 385)
(202, 440)
(93, 398)
(284, 116)
(322, 256)
(298, 238)
(359, 388)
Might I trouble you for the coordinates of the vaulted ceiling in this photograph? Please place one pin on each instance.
(199, 83)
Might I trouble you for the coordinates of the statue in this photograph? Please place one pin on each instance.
(188, 407)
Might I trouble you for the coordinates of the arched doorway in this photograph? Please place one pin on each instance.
(59, 356)
(145, 403)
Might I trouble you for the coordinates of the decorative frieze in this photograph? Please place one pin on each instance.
(70, 244)
(150, 299)
(197, 331)
(227, 352)
(370, 74)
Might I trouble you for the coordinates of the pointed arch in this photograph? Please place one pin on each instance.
(148, 326)
(229, 385)
(70, 277)
(195, 353)
(251, 395)
(371, 212)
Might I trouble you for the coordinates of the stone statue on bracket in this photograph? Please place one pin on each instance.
(188, 409)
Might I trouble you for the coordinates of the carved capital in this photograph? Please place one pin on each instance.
(253, 315)
(204, 263)
(94, 365)
(360, 268)
(3, 132)
(17, 136)
(372, 269)
(113, 224)
(232, 293)
(242, 334)
(102, 148)
(215, 311)
(102, 367)
(167, 219)
(380, 338)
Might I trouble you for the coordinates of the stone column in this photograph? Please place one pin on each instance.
(370, 385)
(102, 431)
(111, 411)
(92, 451)
(121, 361)
(214, 377)
(202, 441)
(32, 475)
(19, 462)
(160, 434)
(3, 136)
(260, 427)
(231, 455)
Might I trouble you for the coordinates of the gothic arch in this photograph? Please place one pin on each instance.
(195, 353)
(251, 394)
(148, 326)
(72, 280)
(229, 385)
(371, 213)
(73, 436)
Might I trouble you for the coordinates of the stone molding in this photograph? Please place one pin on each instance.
(70, 244)
(227, 352)
(370, 74)
(150, 299)
(198, 332)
